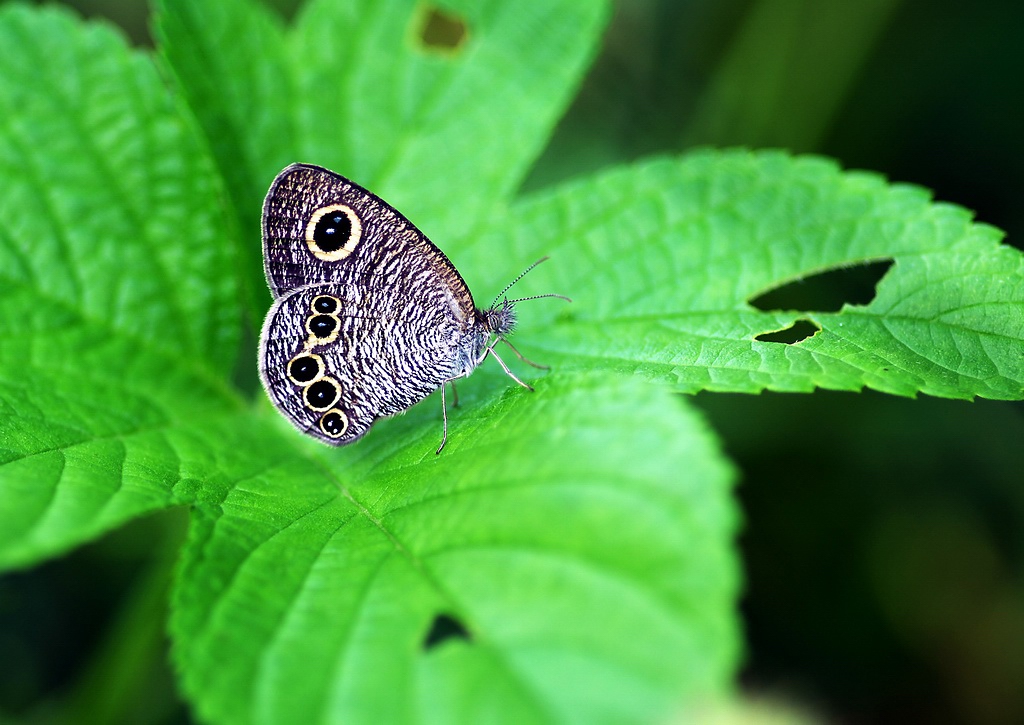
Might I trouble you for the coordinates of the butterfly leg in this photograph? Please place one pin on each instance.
(524, 359)
(507, 371)
(444, 417)
(444, 409)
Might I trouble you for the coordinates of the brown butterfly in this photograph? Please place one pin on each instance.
(369, 317)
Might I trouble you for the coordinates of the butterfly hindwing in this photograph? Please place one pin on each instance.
(302, 366)
(334, 363)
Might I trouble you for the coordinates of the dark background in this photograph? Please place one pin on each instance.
(884, 537)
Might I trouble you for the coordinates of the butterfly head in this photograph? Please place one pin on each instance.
(499, 319)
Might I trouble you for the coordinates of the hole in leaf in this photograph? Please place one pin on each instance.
(826, 291)
(441, 30)
(445, 627)
(798, 331)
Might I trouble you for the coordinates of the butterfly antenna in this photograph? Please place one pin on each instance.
(539, 297)
(521, 275)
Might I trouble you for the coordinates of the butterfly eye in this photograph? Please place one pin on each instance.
(334, 423)
(322, 394)
(322, 327)
(333, 232)
(305, 368)
(325, 304)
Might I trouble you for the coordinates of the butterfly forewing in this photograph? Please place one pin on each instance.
(291, 260)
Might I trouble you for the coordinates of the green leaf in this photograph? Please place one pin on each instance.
(664, 257)
(84, 115)
(577, 542)
(575, 554)
(120, 321)
(353, 86)
(571, 564)
(229, 60)
(442, 136)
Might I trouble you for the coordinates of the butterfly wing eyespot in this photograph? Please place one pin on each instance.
(333, 423)
(306, 382)
(322, 326)
(322, 329)
(305, 368)
(322, 394)
(325, 304)
(333, 232)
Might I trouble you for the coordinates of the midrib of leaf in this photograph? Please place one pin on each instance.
(120, 436)
(345, 651)
(317, 458)
(885, 318)
(163, 456)
(602, 356)
(594, 479)
(776, 316)
(423, 569)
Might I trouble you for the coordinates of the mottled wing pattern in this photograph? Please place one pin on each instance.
(300, 191)
(358, 330)
(371, 361)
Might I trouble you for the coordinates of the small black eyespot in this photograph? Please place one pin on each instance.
(323, 326)
(333, 423)
(332, 231)
(322, 394)
(325, 304)
(304, 368)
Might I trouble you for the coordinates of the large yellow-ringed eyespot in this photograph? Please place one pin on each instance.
(333, 232)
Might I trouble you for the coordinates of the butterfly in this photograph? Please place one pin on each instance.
(369, 317)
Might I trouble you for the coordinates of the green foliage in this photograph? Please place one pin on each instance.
(582, 535)
(667, 255)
